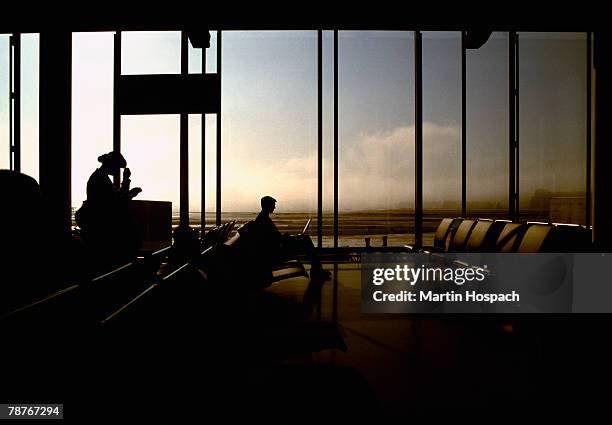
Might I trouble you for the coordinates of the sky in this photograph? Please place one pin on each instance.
(269, 118)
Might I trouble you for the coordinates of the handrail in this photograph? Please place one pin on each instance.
(112, 272)
(161, 251)
(85, 283)
(42, 300)
(133, 300)
(153, 286)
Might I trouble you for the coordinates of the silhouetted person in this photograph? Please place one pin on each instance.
(275, 247)
(108, 228)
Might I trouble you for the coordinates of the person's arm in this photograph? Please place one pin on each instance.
(125, 190)
(125, 183)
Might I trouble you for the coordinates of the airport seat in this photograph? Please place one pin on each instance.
(443, 234)
(461, 235)
(573, 238)
(484, 234)
(537, 238)
(239, 252)
(84, 303)
(509, 237)
(287, 270)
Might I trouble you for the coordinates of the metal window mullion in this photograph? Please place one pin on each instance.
(463, 128)
(418, 138)
(517, 132)
(511, 126)
(203, 156)
(116, 114)
(218, 200)
(320, 138)
(16, 103)
(588, 130)
(184, 142)
(335, 138)
(10, 102)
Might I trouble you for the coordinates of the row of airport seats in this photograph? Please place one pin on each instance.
(218, 234)
(85, 303)
(486, 235)
(222, 264)
(123, 291)
(56, 335)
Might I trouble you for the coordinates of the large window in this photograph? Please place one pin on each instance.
(552, 166)
(487, 117)
(270, 127)
(269, 137)
(441, 129)
(376, 137)
(150, 143)
(157, 172)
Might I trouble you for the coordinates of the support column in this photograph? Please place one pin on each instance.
(602, 171)
(463, 128)
(218, 206)
(336, 221)
(184, 143)
(116, 114)
(203, 156)
(55, 116)
(418, 139)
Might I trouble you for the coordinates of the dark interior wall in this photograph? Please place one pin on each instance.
(602, 184)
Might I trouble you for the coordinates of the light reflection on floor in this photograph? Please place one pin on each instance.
(410, 359)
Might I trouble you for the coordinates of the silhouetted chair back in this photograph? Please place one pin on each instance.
(22, 203)
(572, 238)
(509, 237)
(484, 235)
(476, 241)
(442, 233)
(22, 222)
(537, 238)
(461, 235)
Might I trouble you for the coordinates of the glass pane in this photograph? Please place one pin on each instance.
(487, 128)
(4, 102)
(29, 104)
(211, 54)
(441, 129)
(552, 71)
(151, 52)
(92, 107)
(211, 169)
(328, 138)
(269, 112)
(157, 171)
(195, 170)
(376, 137)
(194, 59)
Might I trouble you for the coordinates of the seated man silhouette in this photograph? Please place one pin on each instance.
(108, 227)
(276, 247)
